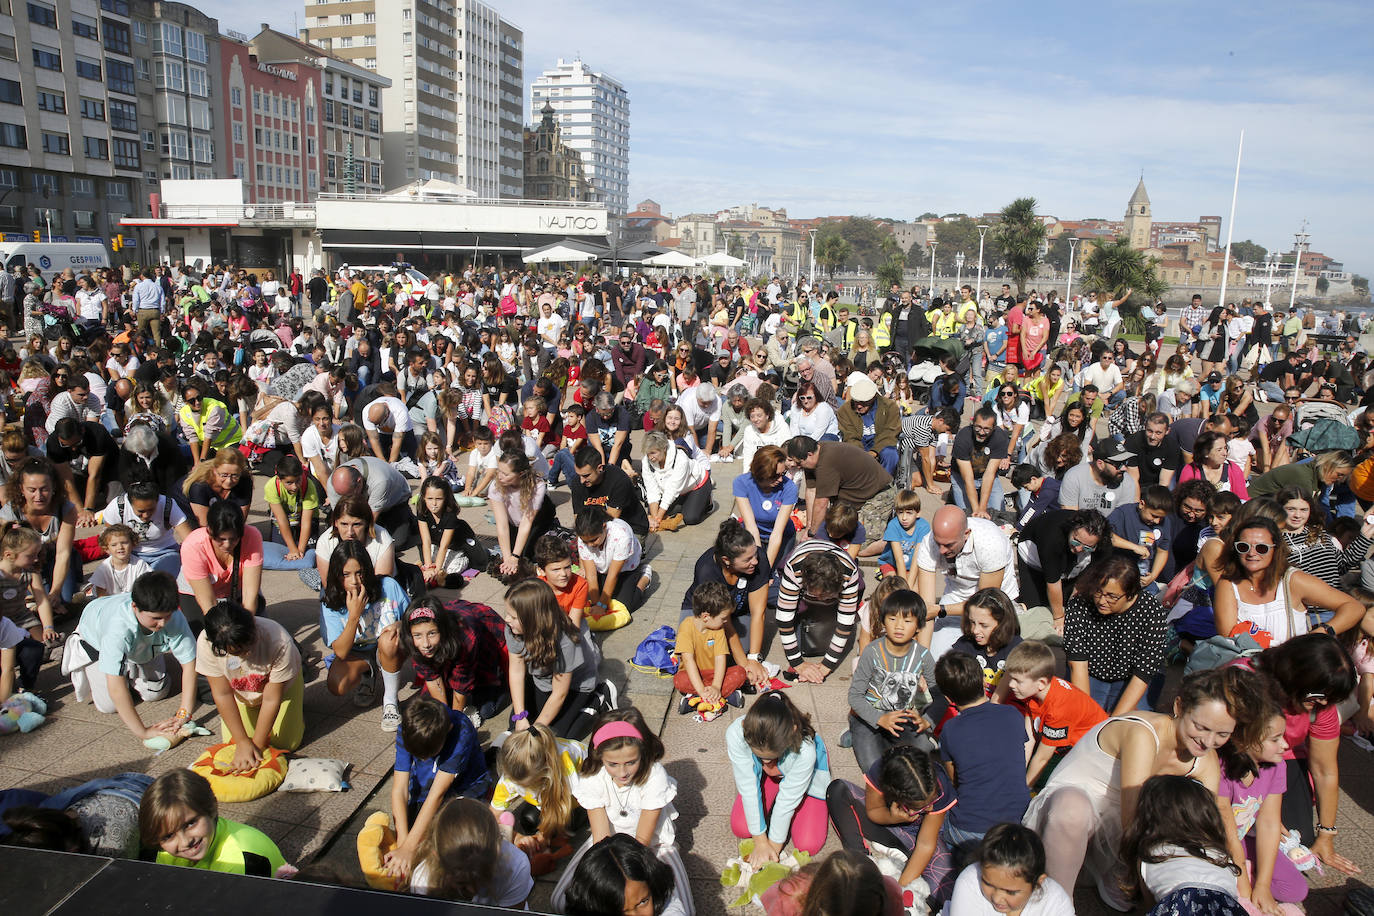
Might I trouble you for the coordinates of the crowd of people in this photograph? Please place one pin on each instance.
(1109, 507)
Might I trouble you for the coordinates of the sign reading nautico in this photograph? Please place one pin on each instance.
(564, 223)
(277, 71)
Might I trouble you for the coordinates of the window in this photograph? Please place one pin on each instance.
(11, 93)
(13, 135)
(203, 150)
(116, 37)
(169, 75)
(149, 141)
(238, 169)
(196, 50)
(9, 178)
(343, 87)
(329, 84)
(374, 124)
(238, 133)
(48, 217)
(168, 40)
(372, 96)
(174, 143)
(83, 187)
(357, 94)
(257, 100)
(369, 41)
(145, 71)
(197, 81)
(85, 27)
(118, 7)
(47, 58)
(200, 115)
(7, 51)
(181, 172)
(9, 217)
(346, 41)
(310, 146)
(87, 68)
(57, 144)
(123, 116)
(93, 109)
(117, 190)
(329, 111)
(119, 76)
(346, 19)
(43, 182)
(236, 97)
(84, 220)
(140, 32)
(42, 14)
(97, 148)
(310, 114)
(369, 18)
(171, 109)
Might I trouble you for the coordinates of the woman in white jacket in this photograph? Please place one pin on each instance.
(765, 427)
(677, 487)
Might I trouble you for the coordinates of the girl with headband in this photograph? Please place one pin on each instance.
(459, 652)
(624, 788)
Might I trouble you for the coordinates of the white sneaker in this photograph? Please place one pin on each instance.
(474, 716)
(391, 718)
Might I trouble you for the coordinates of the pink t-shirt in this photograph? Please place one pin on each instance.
(198, 559)
(1246, 800)
(1322, 724)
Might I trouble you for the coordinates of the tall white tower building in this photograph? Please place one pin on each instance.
(593, 112)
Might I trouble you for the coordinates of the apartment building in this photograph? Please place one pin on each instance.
(593, 111)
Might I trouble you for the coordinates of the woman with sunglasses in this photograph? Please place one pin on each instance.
(1314, 673)
(812, 416)
(1259, 587)
(207, 424)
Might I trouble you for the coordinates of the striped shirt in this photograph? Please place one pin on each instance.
(1323, 557)
(790, 595)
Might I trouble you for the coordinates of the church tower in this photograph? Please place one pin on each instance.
(1137, 227)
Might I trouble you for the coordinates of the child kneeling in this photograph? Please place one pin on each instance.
(705, 643)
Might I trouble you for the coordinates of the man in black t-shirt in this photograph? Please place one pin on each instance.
(601, 484)
(1157, 458)
(1005, 301)
(84, 454)
(609, 426)
(980, 454)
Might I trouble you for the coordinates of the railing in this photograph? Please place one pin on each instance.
(300, 211)
(424, 196)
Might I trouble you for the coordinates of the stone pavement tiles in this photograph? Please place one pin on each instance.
(78, 743)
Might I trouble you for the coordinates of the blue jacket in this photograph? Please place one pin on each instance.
(805, 772)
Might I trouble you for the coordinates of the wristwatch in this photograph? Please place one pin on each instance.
(752, 656)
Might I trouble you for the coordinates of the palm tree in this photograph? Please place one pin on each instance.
(1019, 234)
(1114, 266)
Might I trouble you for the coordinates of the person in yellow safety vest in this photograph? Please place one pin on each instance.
(935, 314)
(795, 315)
(947, 322)
(825, 315)
(206, 423)
(847, 327)
(966, 304)
(882, 330)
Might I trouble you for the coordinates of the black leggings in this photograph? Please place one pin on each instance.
(845, 802)
(694, 505)
(574, 719)
(1299, 805)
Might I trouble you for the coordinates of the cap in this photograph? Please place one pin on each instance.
(863, 389)
(1114, 450)
(1213, 377)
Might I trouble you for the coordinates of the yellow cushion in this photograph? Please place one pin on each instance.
(240, 787)
(375, 840)
(612, 619)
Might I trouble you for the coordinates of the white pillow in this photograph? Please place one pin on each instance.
(315, 774)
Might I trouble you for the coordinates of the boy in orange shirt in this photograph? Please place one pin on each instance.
(1059, 712)
(557, 564)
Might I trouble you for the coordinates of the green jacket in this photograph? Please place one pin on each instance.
(887, 424)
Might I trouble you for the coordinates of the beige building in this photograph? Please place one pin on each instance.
(697, 235)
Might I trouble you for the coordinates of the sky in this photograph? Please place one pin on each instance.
(894, 109)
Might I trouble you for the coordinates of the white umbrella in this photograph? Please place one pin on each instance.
(558, 254)
(720, 259)
(670, 259)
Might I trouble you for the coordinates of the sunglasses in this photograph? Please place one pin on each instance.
(1243, 548)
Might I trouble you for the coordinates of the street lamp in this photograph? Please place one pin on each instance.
(958, 271)
(933, 246)
(982, 231)
(1299, 240)
(811, 277)
(1068, 288)
(1271, 263)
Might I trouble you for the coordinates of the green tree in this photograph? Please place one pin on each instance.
(893, 269)
(962, 235)
(928, 215)
(734, 245)
(1019, 234)
(1323, 285)
(1360, 285)
(865, 238)
(1058, 255)
(1113, 267)
(832, 250)
(1248, 252)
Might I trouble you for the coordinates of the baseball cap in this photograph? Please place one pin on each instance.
(1213, 377)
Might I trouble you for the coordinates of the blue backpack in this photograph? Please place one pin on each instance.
(655, 653)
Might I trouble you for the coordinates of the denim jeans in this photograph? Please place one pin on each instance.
(961, 498)
(870, 742)
(168, 561)
(1273, 390)
(562, 466)
(1108, 693)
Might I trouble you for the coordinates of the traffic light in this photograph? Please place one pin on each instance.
(37, 236)
(117, 243)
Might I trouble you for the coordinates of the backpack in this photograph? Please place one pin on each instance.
(654, 654)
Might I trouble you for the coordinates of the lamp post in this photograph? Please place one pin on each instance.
(1068, 288)
(982, 231)
(1271, 263)
(931, 291)
(811, 277)
(958, 271)
(1299, 240)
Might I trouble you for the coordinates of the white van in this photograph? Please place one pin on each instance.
(54, 257)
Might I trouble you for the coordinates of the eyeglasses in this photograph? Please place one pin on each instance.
(1243, 548)
(194, 400)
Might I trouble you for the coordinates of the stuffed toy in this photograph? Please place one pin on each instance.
(230, 787)
(753, 882)
(602, 619)
(706, 712)
(22, 712)
(1302, 858)
(375, 840)
(162, 743)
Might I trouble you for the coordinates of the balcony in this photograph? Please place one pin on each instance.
(284, 214)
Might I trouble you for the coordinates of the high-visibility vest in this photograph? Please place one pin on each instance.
(963, 308)
(882, 331)
(230, 435)
(850, 328)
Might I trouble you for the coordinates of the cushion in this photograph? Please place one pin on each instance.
(601, 620)
(240, 787)
(315, 774)
(375, 840)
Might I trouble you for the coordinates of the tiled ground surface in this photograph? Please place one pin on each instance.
(78, 743)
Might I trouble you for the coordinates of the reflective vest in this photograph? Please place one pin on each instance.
(796, 314)
(882, 331)
(850, 328)
(229, 435)
(963, 308)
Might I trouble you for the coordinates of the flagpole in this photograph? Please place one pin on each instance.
(1231, 223)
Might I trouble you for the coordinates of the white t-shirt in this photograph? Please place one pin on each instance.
(112, 365)
(1184, 870)
(11, 634)
(624, 805)
(550, 328)
(152, 535)
(312, 446)
(89, 301)
(400, 416)
(968, 899)
(540, 464)
(510, 881)
(1106, 380)
(325, 546)
(696, 413)
(987, 549)
(118, 581)
(620, 544)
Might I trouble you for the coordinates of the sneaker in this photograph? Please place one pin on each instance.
(366, 691)
(391, 718)
(474, 716)
(608, 696)
(646, 578)
(847, 739)
(736, 699)
(684, 705)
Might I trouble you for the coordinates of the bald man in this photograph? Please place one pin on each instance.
(387, 493)
(972, 553)
(389, 428)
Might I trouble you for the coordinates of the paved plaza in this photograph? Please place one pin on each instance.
(78, 743)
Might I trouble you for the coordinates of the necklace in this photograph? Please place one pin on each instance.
(623, 802)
